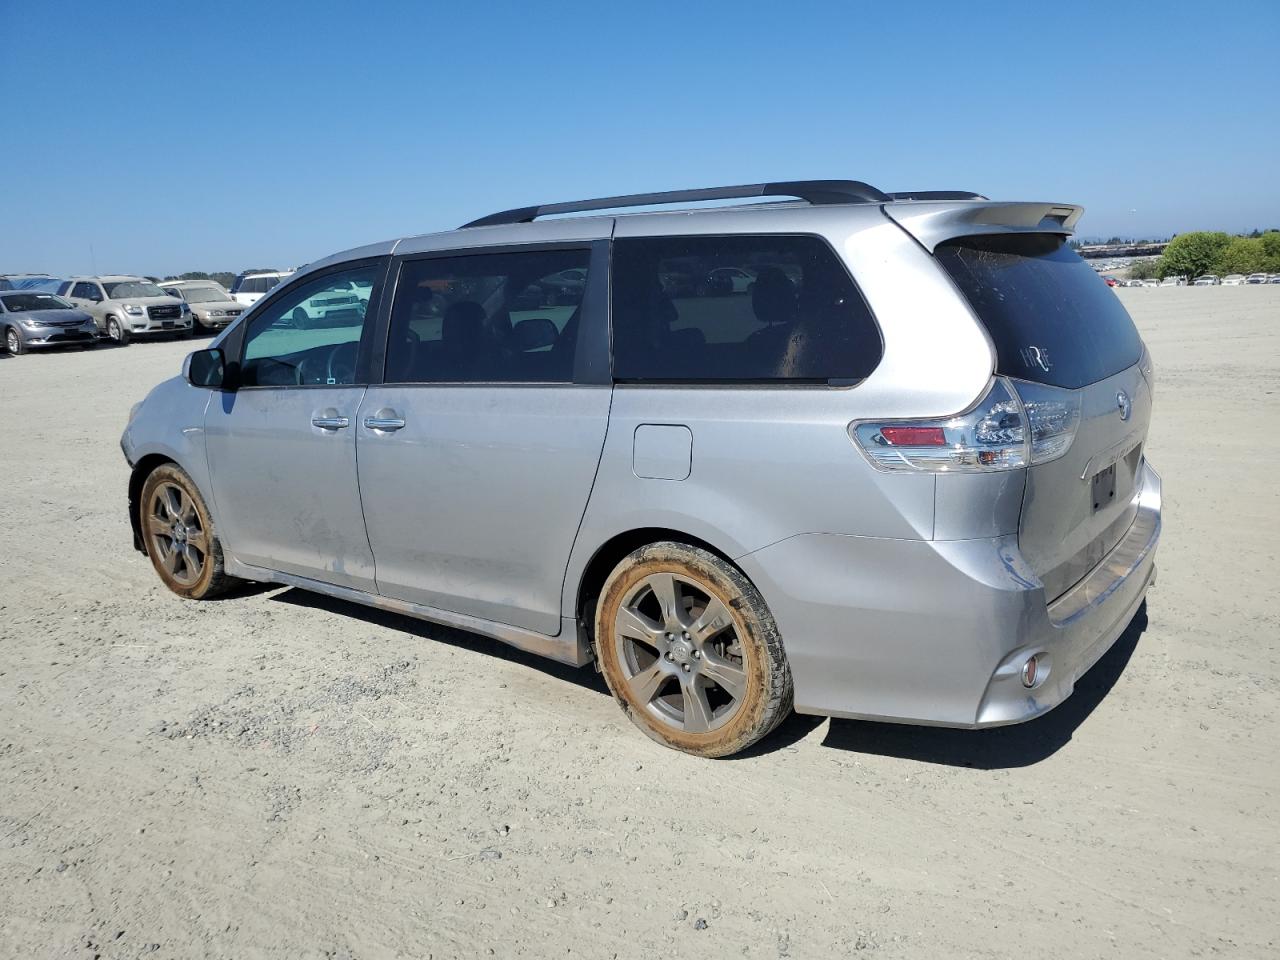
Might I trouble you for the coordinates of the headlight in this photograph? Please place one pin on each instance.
(133, 310)
(32, 324)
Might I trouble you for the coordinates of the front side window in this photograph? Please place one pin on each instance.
(494, 318)
(86, 291)
(738, 309)
(310, 335)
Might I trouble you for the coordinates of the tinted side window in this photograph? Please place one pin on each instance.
(495, 318)
(1051, 318)
(86, 291)
(310, 334)
(738, 308)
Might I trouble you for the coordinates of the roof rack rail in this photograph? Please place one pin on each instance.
(937, 195)
(816, 192)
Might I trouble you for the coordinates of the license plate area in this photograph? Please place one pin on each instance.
(166, 324)
(1104, 488)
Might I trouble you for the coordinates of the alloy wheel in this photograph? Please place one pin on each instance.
(680, 653)
(11, 341)
(178, 538)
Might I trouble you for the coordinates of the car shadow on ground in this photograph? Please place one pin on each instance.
(1019, 745)
(995, 748)
(585, 677)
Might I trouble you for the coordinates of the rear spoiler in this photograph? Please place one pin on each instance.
(934, 223)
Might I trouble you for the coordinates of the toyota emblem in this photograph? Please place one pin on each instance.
(1126, 408)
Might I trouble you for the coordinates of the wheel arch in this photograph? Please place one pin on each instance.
(141, 470)
(610, 553)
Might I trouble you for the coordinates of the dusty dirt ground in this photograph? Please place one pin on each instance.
(279, 775)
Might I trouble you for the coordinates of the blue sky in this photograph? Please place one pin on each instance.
(163, 137)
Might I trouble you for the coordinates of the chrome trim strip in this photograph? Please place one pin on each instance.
(1124, 559)
(568, 648)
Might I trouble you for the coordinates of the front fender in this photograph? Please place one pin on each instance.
(168, 425)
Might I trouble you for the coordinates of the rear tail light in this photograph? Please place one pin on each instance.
(1015, 425)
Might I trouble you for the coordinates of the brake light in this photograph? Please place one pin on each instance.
(1013, 426)
(914, 436)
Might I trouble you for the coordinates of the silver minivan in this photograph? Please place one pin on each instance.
(896, 472)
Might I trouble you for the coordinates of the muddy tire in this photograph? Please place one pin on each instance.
(690, 651)
(180, 537)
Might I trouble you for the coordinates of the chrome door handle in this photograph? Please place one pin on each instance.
(384, 423)
(330, 423)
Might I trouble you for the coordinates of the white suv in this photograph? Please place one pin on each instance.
(249, 287)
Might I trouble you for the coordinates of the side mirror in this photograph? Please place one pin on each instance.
(205, 368)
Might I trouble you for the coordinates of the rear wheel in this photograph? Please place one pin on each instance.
(116, 331)
(690, 651)
(12, 342)
(180, 537)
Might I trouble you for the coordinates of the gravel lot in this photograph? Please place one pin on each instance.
(277, 774)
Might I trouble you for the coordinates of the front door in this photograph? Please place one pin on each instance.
(87, 296)
(478, 453)
(282, 447)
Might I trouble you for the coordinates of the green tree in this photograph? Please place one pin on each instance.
(1192, 254)
(1143, 269)
(1242, 255)
(1270, 242)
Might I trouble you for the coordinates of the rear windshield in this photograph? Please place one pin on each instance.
(1052, 319)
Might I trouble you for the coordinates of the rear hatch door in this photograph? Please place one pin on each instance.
(1056, 326)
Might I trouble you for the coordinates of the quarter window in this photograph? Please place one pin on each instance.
(311, 334)
(493, 318)
(737, 309)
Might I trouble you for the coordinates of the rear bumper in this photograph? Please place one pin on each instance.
(936, 632)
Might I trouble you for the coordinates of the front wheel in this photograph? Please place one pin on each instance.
(117, 332)
(12, 342)
(690, 650)
(179, 535)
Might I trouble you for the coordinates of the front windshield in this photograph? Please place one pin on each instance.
(23, 302)
(123, 289)
(204, 294)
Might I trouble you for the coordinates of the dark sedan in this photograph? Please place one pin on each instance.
(32, 319)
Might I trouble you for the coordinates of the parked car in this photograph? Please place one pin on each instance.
(212, 307)
(125, 307)
(340, 305)
(857, 490)
(1110, 281)
(1274, 278)
(1256, 278)
(1152, 283)
(1173, 282)
(1233, 280)
(34, 319)
(27, 281)
(728, 280)
(1208, 280)
(249, 288)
